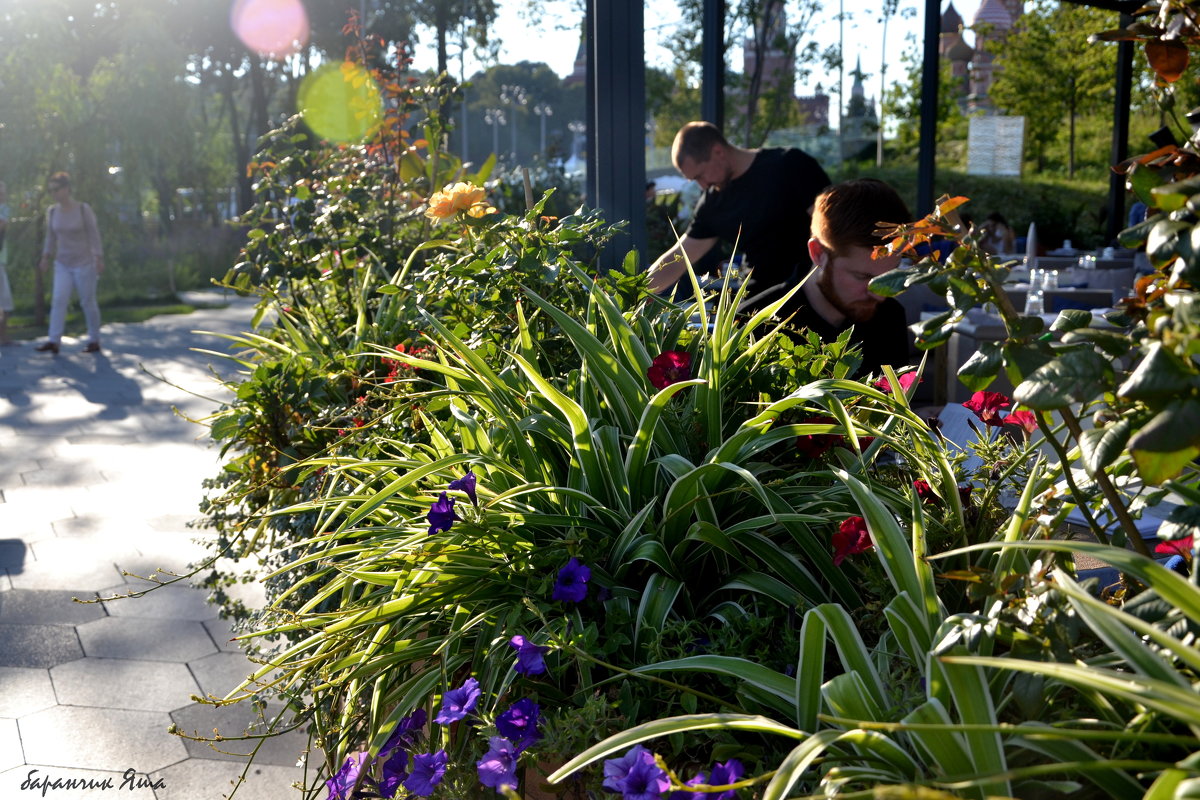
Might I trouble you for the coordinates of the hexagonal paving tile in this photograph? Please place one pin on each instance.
(219, 673)
(164, 602)
(48, 607)
(221, 630)
(23, 691)
(108, 739)
(75, 784)
(145, 639)
(235, 720)
(38, 645)
(205, 779)
(119, 683)
(11, 754)
(70, 576)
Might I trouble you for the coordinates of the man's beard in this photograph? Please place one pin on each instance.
(855, 311)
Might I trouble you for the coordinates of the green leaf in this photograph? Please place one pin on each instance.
(755, 674)
(1075, 375)
(982, 367)
(671, 725)
(1026, 327)
(1169, 442)
(1072, 319)
(657, 601)
(388, 288)
(890, 283)
(1102, 446)
(1163, 242)
(1160, 375)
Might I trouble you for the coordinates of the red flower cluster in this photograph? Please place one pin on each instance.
(670, 367)
(906, 381)
(815, 445)
(396, 367)
(988, 405)
(852, 537)
(928, 496)
(1177, 547)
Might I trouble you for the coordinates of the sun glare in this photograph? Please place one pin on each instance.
(272, 28)
(341, 103)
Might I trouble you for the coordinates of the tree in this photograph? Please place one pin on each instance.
(1047, 72)
(904, 104)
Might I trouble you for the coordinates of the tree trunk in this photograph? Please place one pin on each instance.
(1071, 133)
(442, 24)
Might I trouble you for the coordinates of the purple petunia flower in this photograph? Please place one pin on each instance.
(498, 767)
(341, 785)
(680, 794)
(571, 585)
(457, 703)
(723, 775)
(428, 769)
(529, 656)
(636, 775)
(441, 514)
(519, 724)
(404, 733)
(466, 484)
(393, 772)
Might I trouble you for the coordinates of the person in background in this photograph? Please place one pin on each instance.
(836, 296)
(6, 298)
(998, 236)
(73, 246)
(758, 199)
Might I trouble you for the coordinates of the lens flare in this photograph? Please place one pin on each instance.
(272, 28)
(341, 102)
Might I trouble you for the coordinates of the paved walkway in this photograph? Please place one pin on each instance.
(99, 477)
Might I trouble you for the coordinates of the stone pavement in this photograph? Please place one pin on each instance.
(99, 476)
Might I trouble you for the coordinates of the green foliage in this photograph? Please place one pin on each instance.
(1047, 72)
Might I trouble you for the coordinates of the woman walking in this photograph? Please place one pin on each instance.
(73, 246)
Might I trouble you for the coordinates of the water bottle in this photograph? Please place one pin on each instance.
(1034, 305)
(1050, 279)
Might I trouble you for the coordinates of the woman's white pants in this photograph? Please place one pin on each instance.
(81, 280)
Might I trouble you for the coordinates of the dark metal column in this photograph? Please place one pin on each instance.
(930, 72)
(618, 96)
(1120, 138)
(712, 64)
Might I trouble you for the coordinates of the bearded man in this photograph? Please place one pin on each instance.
(836, 295)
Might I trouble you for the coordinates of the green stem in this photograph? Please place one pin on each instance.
(1063, 459)
(1108, 490)
(654, 679)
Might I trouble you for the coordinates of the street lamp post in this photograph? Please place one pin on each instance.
(495, 118)
(514, 97)
(543, 110)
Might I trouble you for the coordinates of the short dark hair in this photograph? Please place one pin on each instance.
(695, 142)
(59, 179)
(849, 213)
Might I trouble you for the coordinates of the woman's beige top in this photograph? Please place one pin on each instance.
(72, 237)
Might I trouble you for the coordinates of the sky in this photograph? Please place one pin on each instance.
(557, 39)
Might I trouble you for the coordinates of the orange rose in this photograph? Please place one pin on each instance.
(464, 195)
(441, 205)
(480, 210)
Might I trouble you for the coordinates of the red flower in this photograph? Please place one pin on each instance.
(906, 380)
(670, 367)
(1176, 547)
(925, 491)
(987, 406)
(852, 537)
(1022, 419)
(815, 445)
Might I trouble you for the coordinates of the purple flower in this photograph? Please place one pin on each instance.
(341, 785)
(571, 585)
(466, 484)
(682, 795)
(519, 724)
(636, 775)
(457, 703)
(529, 656)
(393, 772)
(427, 772)
(498, 767)
(441, 514)
(723, 775)
(403, 736)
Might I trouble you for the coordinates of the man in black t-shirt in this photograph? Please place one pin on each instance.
(758, 199)
(836, 296)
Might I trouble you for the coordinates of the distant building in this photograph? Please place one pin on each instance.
(973, 66)
(860, 122)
